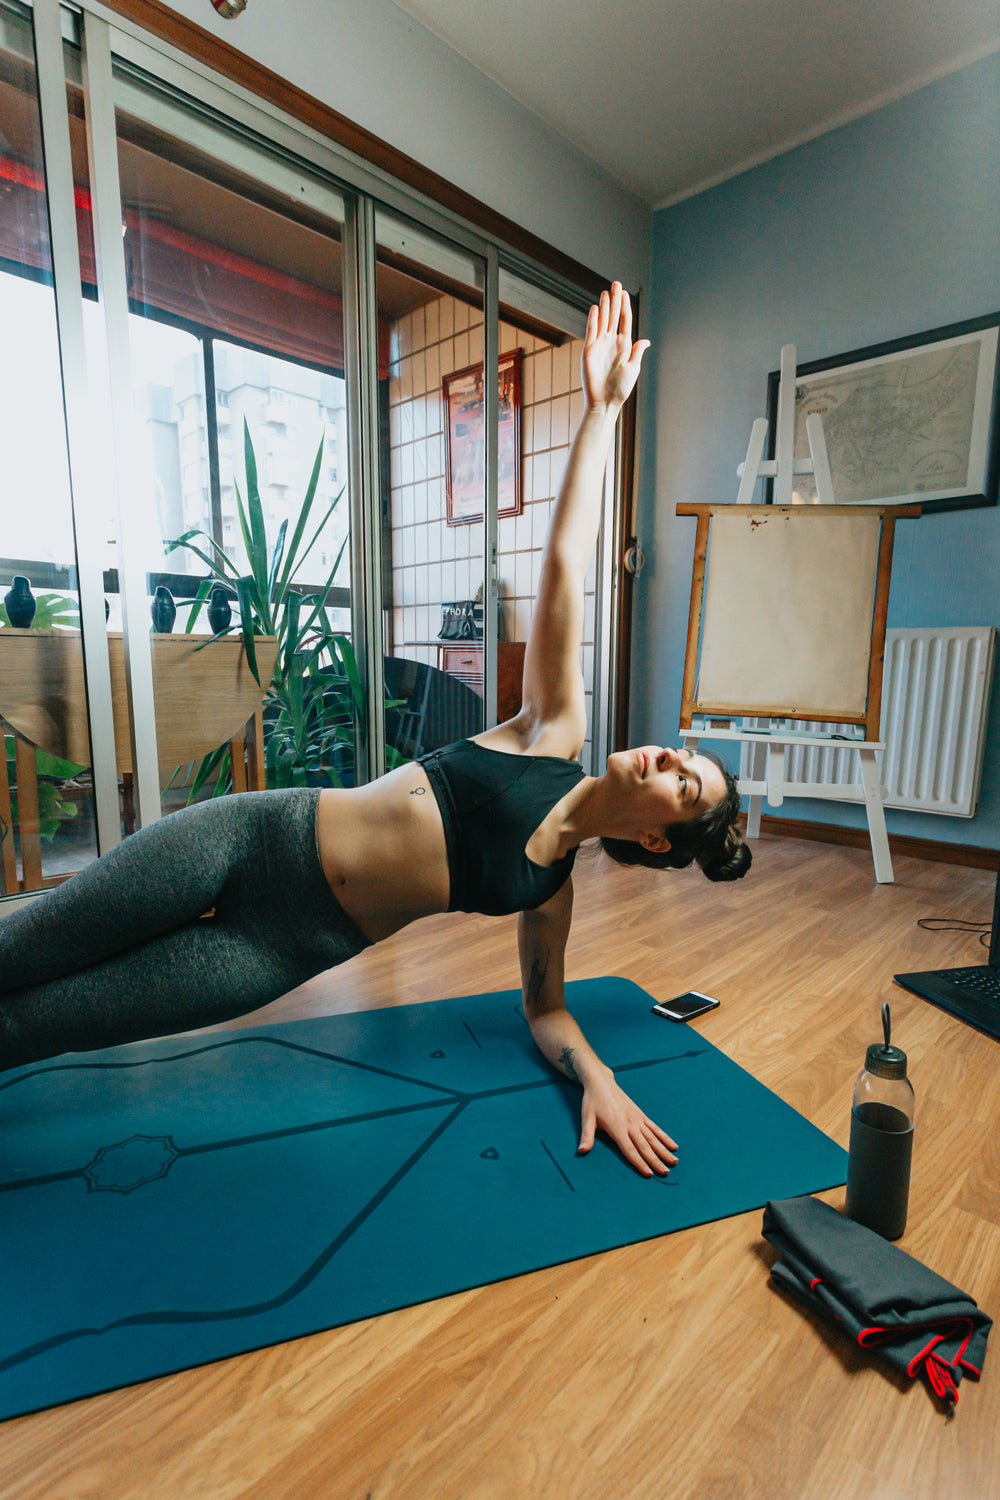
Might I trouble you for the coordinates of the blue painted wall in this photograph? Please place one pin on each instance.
(886, 227)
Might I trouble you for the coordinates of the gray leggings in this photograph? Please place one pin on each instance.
(123, 950)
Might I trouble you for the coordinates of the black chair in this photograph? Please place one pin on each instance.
(435, 708)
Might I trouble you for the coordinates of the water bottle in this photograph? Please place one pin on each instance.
(878, 1168)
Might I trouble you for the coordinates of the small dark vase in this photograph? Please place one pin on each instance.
(220, 614)
(164, 610)
(19, 602)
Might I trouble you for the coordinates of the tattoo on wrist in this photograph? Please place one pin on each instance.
(566, 1064)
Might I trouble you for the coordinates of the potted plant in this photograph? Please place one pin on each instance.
(315, 692)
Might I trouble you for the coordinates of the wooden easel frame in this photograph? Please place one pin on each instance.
(773, 783)
(873, 704)
(773, 743)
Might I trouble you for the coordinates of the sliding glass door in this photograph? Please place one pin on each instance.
(47, 824)
(236, 343)
(433, 542)
(279, 445)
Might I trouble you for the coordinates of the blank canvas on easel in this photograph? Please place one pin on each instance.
(787, 613)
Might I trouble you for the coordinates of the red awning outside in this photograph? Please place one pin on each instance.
(179, 273)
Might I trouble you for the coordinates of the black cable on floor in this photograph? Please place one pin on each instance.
(956, 924)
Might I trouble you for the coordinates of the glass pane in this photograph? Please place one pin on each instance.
(237, 346)
(47, 826)
(434, 530)
(552, 405)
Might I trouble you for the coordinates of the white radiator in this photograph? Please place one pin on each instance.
(935, 710)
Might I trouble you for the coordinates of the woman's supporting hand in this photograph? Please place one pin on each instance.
(643, 1144)
(542, 934)
(611, 361)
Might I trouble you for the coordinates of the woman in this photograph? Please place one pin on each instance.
(219, 909)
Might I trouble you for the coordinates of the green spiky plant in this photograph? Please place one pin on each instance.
(309, 712)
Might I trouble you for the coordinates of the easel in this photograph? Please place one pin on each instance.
(717, 717)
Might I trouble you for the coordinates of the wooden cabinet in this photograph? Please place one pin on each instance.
(464, 660)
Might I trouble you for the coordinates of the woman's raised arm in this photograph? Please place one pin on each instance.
(553, 684)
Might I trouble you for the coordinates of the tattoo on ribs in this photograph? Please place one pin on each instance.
(566, 1063)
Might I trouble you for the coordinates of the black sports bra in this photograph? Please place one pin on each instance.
(491, 803)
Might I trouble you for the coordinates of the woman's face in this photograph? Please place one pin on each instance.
(662, 786)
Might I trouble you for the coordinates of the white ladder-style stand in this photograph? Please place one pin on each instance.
(767, 778)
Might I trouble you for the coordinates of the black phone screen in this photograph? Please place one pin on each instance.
(688, 1005)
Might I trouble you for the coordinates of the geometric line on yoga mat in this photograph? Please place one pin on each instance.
(304, 1279)
(129, 1164)
(558, 1168)
(176, 1315)
(124, 1166)
(267, 1041)
(226, 1145)
(433, 1185)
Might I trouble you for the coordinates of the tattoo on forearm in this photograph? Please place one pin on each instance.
(566, 1064)
(536, 980)
(418, 791)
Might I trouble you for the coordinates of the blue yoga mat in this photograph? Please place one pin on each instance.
(173, 1202)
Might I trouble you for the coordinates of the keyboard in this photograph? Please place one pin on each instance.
(972, 994)
(980, 980)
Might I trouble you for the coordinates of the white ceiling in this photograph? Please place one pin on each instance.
(672, 96)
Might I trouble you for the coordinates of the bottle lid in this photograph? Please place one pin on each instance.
(884, 1060)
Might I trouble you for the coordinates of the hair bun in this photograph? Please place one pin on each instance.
(731, 861)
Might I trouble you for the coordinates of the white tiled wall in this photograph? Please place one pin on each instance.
(432, 561)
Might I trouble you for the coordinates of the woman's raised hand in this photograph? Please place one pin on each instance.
(611, 361)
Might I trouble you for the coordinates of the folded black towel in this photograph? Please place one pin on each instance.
(881, 1297)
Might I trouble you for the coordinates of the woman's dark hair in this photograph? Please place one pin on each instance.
(712, 840)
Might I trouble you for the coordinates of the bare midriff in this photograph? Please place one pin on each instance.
(383, 850)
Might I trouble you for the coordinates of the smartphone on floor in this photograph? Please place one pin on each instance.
(685, 1007)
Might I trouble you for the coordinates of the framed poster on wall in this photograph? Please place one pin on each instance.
(914, 420)
(465, 430)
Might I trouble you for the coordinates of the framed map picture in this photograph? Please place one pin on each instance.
(465, 436)
(914, 420)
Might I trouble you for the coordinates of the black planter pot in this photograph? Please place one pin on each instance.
(19, 602)
(220, 614)
(163, 611)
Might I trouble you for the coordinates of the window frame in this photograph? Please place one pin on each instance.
(234, 94)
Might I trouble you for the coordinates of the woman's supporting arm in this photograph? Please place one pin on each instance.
(542, 936)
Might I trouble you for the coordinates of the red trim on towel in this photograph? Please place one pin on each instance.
(940, 1376)
(925, 1353)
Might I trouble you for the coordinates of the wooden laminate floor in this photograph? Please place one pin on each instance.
(662, 1371)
